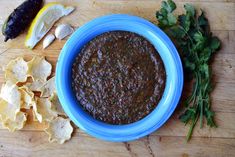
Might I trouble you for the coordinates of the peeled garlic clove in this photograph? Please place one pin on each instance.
(63, 31)
(48, 40)
(69, 10)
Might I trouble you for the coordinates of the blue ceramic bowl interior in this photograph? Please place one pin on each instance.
(168, 53)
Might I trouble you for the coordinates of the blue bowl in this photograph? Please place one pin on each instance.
(165, 107)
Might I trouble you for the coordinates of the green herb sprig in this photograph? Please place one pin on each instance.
(196, 44)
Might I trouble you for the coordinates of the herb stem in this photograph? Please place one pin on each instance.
(200, 103)
(192, 96)
(190, 132)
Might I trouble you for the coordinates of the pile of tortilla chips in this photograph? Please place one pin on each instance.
(19, 96)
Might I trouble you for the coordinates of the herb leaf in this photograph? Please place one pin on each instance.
(196, 44)
(165, 16)
(215, 43)
(190, 10)
(169, 6)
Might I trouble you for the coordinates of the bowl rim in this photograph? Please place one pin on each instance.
(168, 53)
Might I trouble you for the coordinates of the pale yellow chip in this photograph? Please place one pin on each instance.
(46, 108)
(8, 110)
(16, 124)
(48, 88)
(42, 110)
(26, 89)
(39, 68)
(55, 105)
(36, 115)
(16, 70)
(35, 85)
(10, 93)
(59, 130)
(27, 97)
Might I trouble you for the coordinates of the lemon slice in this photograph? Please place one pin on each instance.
(43, 22)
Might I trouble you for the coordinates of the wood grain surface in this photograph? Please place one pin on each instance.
(168, 141)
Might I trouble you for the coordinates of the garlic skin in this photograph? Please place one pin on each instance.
(48, 40)
(63, 30)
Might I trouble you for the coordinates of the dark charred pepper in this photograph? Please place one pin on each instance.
(20, 18)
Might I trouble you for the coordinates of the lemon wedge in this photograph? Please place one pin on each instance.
(43, 22)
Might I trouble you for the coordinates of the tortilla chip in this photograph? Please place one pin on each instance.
(39, 68)
(59, 130)
(10, 93)
(56, 106)
(36, 98)
(12, 97)
(42, 109)
(48, 88)
(27, 97)
(26, 89)
(8, 110)
(35, 85)
(16, 124)
(16, 70)
(36, 115)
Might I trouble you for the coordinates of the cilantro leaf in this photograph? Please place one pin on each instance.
(165, 16)
(199, 41)
(184, 21)
(171, 19)
(169, 5)
(202, 20)
(196, 45)
(190, 10)
(205, 55)
(215, 43)
(209, 117)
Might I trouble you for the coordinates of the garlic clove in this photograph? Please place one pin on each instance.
(69, 10)
(48, 40)
(63, 30)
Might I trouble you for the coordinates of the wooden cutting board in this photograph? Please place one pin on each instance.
(168, 140)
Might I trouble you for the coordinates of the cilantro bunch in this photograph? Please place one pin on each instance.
(196, 44)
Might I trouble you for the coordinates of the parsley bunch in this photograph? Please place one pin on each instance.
(196, 44)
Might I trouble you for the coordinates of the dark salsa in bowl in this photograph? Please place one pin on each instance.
(118, 77)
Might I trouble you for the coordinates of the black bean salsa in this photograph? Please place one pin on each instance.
(118, 77)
